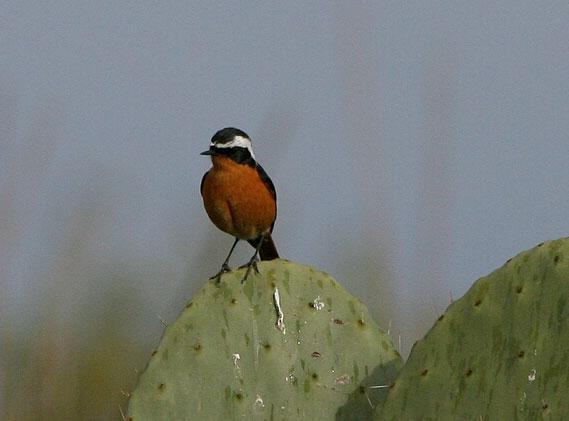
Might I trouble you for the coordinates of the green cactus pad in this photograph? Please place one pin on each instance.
(501, 352)
(287, 344)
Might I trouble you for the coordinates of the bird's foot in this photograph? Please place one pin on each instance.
(252, 264)
(224, 268)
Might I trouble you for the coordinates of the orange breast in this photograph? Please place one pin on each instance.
(237, 200)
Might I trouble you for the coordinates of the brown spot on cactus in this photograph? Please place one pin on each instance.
(509, 349)
(257, 366)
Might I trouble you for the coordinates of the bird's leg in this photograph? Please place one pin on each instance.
(253, 261)
(225, 266)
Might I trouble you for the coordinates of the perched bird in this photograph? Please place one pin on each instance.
(239, 197)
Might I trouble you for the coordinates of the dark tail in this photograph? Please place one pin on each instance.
(268, 250)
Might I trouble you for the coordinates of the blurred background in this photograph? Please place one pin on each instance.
(415, 146)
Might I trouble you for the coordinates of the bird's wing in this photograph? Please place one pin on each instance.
(267, 180)
(201, 184)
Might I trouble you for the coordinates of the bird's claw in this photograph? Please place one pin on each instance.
(251, 265)
(224, 268)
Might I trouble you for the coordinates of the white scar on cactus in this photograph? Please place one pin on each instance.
(318, 303)
(259, 402)
(236, 358)
(532, 375)
(280, 315)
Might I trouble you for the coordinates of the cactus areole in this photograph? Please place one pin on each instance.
(289, 343)
(501, 352)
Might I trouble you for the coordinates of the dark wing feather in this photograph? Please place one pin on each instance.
(267, 180)
(201, 184)
(270, 186)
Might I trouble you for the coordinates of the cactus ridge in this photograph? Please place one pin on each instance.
(500, 352)
(289, 343)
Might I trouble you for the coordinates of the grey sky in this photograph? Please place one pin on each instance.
(427, 141)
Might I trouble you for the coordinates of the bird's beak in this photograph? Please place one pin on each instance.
(208, 152)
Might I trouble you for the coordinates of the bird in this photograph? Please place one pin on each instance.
(239, 197)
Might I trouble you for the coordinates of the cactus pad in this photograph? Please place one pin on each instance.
(501, 352)
(289, 343)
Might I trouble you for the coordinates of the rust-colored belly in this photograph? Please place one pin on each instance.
(237, 200)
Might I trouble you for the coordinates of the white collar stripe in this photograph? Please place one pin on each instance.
(238, 142)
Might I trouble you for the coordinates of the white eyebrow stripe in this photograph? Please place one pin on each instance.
(237, 141)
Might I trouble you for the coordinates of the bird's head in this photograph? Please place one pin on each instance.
(232, 143)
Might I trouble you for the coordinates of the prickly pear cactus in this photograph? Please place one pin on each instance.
(289, 343)
(501, 352)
